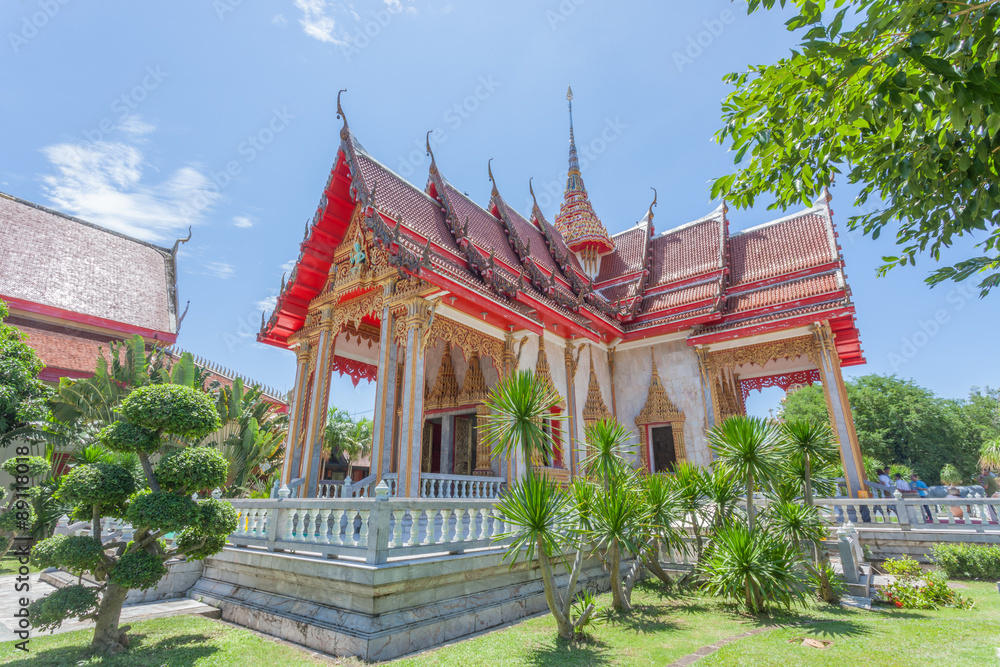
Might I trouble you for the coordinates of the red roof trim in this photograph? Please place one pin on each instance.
(785, 277)
(72, 316)
(773, 325)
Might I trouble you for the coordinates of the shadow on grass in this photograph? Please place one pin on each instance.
(177, 651)
(644, 618)
(586, 650)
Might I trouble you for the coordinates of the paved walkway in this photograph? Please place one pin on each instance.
(9, 605)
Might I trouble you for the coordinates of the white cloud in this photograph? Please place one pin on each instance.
(220, 270)
(279, 19)
(318, 20)
(103, 182)
(242, 221)
(289, 265)
(267, 304)
(135, 125)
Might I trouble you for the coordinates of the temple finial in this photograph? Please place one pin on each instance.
(489, 170)
(340, 114)
(178, 242)
(573, 179)
(649, 214)
(431, 153)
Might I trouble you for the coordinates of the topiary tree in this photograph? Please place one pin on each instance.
(17, 517)
(150, 414)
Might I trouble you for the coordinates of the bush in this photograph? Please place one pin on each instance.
(161, 511)
(127, 437)
(49, 612)
(167, 408)
(26, 466)
(216, 516)
(138, 569)
(76, 553)
(907, 591)
(192, 469)
(968, 561)
(97, 483)
(189, 538)
(950, 475)
(754, 569)
(904, 470)
(18, 518)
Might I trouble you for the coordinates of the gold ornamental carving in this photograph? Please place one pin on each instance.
(594, 409)
(471, 341)
(445, 391)
(761, 353)
(474, 389)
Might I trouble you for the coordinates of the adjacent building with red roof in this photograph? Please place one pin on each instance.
(435, 298)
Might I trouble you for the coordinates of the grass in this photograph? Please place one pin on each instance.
(177, 641)
(663, 628)
(9, 565)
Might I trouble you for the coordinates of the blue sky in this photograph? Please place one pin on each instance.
(129, 114)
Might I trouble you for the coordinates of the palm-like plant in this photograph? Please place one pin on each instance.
(688, 482)
(545, 520)
(754, 568)
(989, 455)
(664, 514)
(723, 491)
(872, 466)
(344, 435)
(607, 444)
(950, 475)
(814, 443)
(619, 521)
(519, 405)
(751, 447)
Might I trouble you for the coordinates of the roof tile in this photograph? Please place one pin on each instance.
(785, 246)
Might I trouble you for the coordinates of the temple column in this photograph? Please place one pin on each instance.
(839, 410)
(571, 364)
(707, 387)
(447, 443)
(385, 398)
(293, 451)
(412, 422)
(484, 457)
(316, 424)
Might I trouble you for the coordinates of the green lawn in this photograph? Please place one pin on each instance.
(663, 628)
(178, 641)
(9, 565)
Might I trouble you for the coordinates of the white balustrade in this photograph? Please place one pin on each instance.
(981, 515)
(462, 487)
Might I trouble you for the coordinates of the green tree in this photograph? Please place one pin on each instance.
(752, 448)
(899, 422)
(149, 415)
(344, 435)
(22, 395)
(904, 96)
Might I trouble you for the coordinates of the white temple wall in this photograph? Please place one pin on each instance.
(677, 364)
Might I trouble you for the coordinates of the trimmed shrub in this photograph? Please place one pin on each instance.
(93, 483)
(124, 436)
(192, 469)
(77, 553)
(49, 612)
(18, 518)
(167, 408)
(26, 466)
(216, 516)
(189, 537)
(138, 569)
(968, 561)
(161, 511)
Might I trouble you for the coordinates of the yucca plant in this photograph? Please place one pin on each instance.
(811, 441)
(872, 466)
(754, 569)
(608, 445)
(618, 529)
(546, 521)
(751, 447)
(664, 514)
(519, 405)
(688, 482)
(723, 491)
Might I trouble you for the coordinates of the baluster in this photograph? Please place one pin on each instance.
(397, 528)
(489, 524)
(288, 534)
(363, 532)
(338, 519)
(306, 528)
(446, 525)
(466, 527)
(323, 526)
(252, 519)
(413, 532)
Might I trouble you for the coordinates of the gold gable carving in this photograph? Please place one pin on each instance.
(445, 392)
(474, 388)
(468, 339)
(594, 409)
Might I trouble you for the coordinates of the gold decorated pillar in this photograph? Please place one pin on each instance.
(385, 397)
(299, 409)
(839, 409)
(316, 423)
(411, 428)
(572, 362)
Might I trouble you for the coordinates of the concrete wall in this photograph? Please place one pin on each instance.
(677, 364)
(375, 612)
(916, 544)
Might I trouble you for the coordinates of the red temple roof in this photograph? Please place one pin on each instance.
(694, 277)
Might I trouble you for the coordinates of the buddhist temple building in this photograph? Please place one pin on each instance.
(435, 297)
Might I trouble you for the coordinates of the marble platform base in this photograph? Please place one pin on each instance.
(375, 612)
